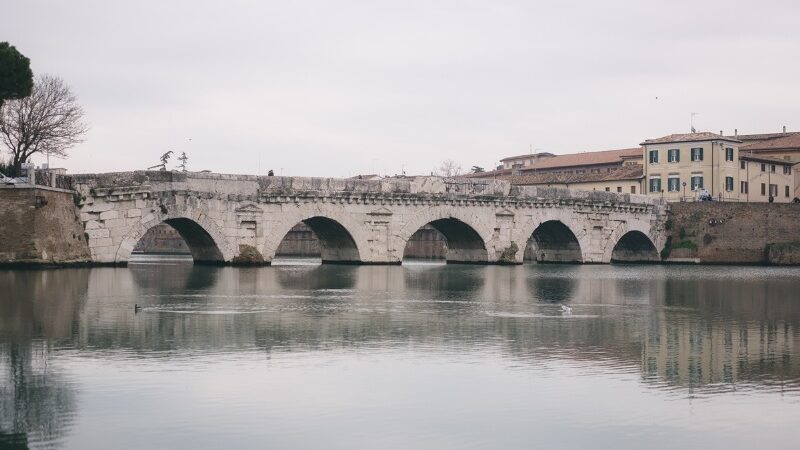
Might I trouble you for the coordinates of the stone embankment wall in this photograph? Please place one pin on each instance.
(734, 233)
(40, 226)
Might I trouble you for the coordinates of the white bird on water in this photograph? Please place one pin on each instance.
(566, 309)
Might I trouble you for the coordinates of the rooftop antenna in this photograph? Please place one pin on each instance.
(691, 122)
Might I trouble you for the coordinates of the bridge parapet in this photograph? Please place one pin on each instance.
(255, 187)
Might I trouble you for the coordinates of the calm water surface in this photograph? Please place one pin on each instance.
(418, 356)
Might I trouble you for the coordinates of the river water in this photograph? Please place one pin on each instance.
(412, 356)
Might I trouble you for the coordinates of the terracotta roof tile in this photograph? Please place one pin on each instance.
(767, 159)
(585, 159)
(787, 141)
(632, 172)
(690, 137)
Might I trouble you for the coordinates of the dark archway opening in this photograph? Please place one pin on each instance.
(635, 247)
(315, 240)
(448, 239)
(179, 238)
(553, 242)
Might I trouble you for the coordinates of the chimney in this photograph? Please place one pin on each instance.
(784, 128)
(735, 131)
(720, 133)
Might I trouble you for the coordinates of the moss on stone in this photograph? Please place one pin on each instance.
(509, 255)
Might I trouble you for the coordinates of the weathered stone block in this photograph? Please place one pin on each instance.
(107, 215)
(101, 242)
(98, 233)
(115, 223)
(134, 213)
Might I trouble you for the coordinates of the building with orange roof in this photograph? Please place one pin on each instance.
(677, 167)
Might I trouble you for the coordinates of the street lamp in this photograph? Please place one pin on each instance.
(684, 191)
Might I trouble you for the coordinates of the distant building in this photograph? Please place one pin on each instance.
(750, 168)
(623, 180)
(784, 146)
(575, 163)
(681, 166)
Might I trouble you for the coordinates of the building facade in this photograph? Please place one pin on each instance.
(783, 146)
(680, 167)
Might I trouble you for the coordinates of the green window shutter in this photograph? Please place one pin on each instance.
(701, 157)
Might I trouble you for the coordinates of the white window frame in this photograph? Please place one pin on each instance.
(694, 186)
(677, 185)
(676, 152)
(650, 184)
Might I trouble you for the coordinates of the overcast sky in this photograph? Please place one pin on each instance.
(339, 88)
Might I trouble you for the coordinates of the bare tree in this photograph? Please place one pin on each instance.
(449, 168)
(49, 122)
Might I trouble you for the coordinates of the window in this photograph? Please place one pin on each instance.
(728, 153)
(655, 184)
(653, 156)
(673, 155)
(697, 182)
(743, 164)
(595, 170)
(773, 190)
(673, 184)
(729, 184)
(787, 170)
(763, 167)
(619, 189)
(608, 189)
(744, 187)
(786, 191)
(763, 189)
(772, 168)
(580, 171)
(633, 189)
(697, 154)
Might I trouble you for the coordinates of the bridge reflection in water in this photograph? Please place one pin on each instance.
(685, 332)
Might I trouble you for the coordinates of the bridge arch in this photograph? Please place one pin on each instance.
(554, 241)
(629, 243)
(204, 238)
(340, 238)
(466, 239)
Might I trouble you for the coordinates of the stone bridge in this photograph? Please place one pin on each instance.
(225, 217)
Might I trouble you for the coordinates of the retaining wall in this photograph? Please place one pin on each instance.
(734, 233)
(40, 226)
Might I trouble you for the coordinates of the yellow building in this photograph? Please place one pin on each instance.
(682, 166)
(785, 146)
(761, 177)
